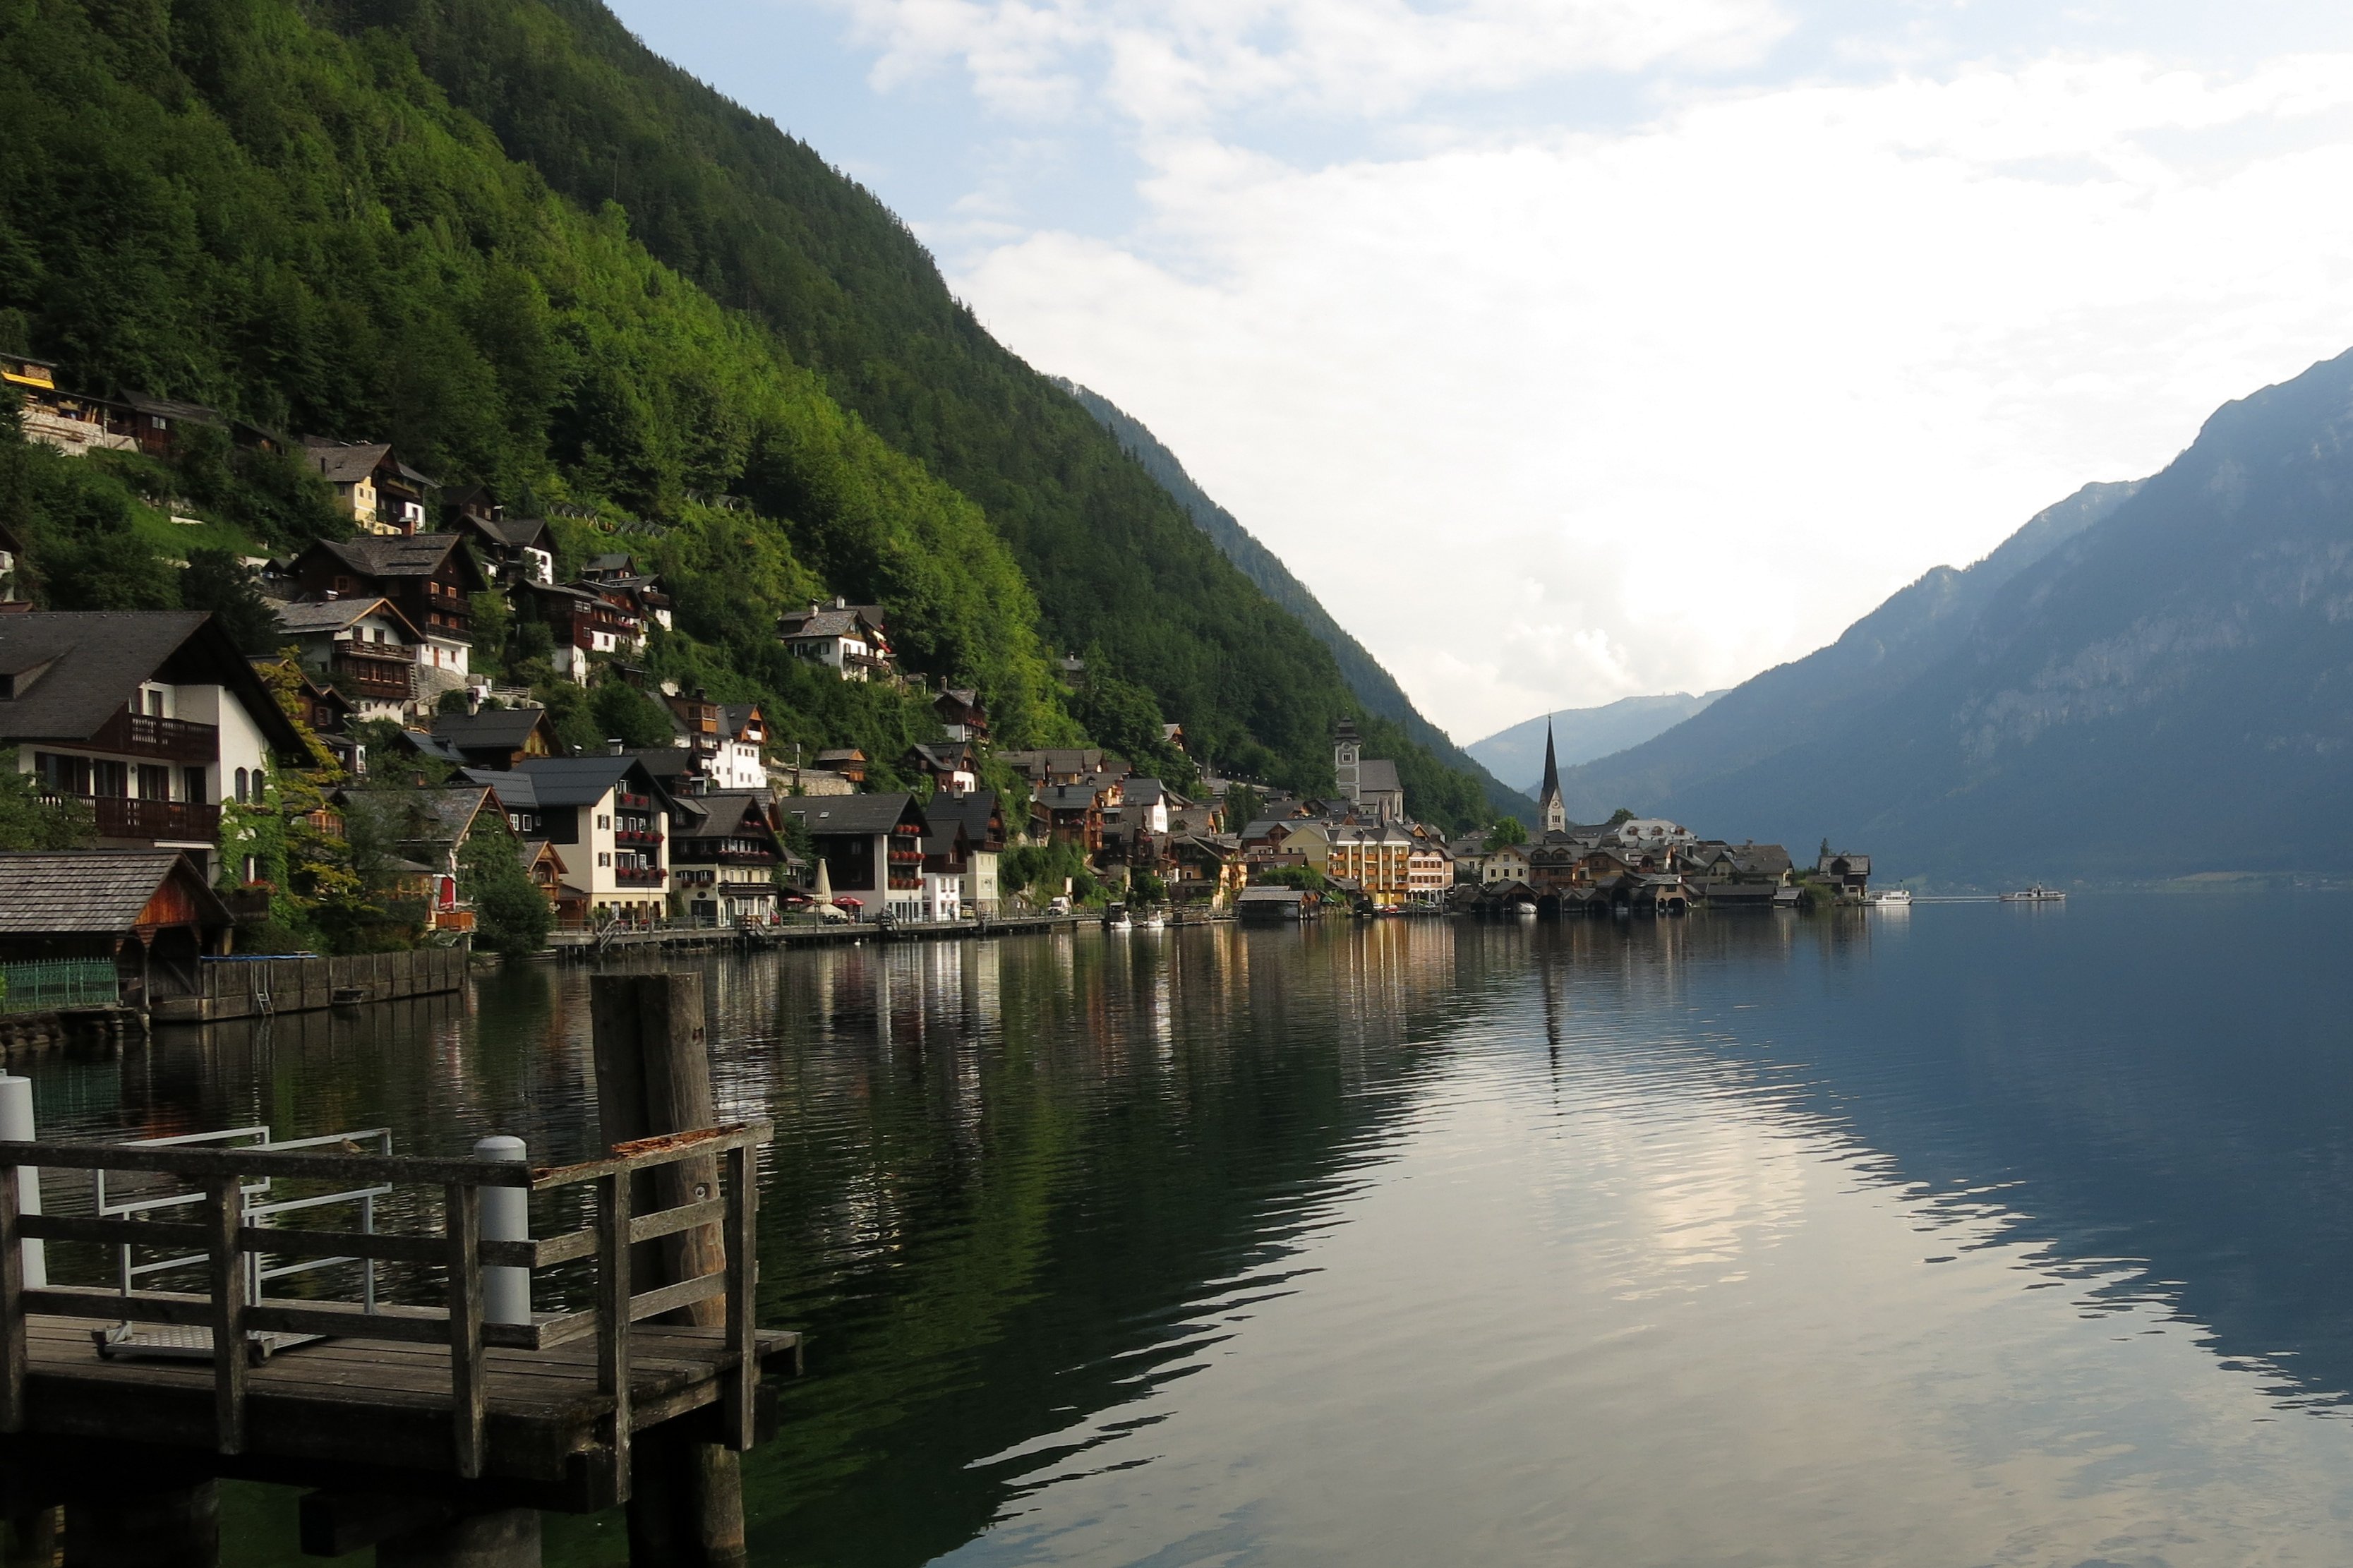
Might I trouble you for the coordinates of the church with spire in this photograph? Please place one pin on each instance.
(1549, 807)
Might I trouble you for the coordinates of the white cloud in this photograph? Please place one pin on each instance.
(1165, 63)
(1555, 417)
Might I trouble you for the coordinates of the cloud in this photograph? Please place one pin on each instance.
(1553, 416)
(1163, 64)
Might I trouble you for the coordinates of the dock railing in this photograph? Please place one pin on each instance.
(232, 1307)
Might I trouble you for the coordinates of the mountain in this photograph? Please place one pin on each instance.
(508, 238)
(1375, 687)
(1581, 734)
(2147, 681)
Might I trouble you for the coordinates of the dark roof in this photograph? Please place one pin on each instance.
(509, 532)
(852, 813)
(92, 892)
(492, 730)
(346, 465)
(1378, 775)
(392, 554)
(169, 408)
(75, 669)
(734, 716)
(572, 781)
(822, 624)
(615, 562)
(971, 811)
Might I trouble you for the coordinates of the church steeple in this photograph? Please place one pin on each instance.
(1548, 801)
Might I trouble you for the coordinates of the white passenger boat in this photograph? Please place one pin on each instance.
(2037, 894)
(1894, 898)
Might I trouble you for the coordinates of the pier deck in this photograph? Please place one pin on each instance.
(318, 1408)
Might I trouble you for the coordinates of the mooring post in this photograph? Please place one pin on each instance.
(506, 1216)
(17, 1127)
(653, 1076)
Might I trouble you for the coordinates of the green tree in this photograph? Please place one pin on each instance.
(28, 821)
(1506, 830)
(219, 582)
(626, 714)
(1624, 814)
(511, 916)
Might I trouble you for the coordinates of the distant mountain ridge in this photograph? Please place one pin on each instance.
(1374, 686)
(2147, 682)
(1582, 734)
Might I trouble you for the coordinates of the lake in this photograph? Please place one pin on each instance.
(1978, 1234)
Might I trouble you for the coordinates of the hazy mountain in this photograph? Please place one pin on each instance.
(1373, 685)
(2147, 682)
(1581, 734)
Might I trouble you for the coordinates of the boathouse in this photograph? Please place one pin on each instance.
(131, 926)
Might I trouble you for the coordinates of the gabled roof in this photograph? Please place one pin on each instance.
(395, 555)
(860, 815)
(72, 670)
(1378, 775)
(575, 781)
(504, 729)
(614, 564)
(975, 812)
(305, 616)
(820, 623)
(94, 892)
(508, 532)
(348, 462)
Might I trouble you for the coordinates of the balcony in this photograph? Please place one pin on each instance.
(385, 679)
(639, 836)
(128, 734)
(624, 801)
(640, 876)
(122, 817)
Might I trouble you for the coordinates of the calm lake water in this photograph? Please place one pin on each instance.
(1975, 1235)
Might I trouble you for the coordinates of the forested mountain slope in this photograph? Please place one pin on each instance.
(399, 221)
(764, 224)
(1375, 687)
(2148, 681)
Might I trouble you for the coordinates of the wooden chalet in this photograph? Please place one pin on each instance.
(148, 914)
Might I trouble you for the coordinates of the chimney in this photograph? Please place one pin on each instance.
(615, 746)
(839, 603)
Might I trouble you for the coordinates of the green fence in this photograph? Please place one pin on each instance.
(59, 982)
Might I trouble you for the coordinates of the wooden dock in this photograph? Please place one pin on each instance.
(399, 1412)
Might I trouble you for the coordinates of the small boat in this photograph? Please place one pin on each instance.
(1116, 917)
(1896, 898)
(1523, 908)
(2037, 894)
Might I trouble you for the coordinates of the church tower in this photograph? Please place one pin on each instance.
(1345, 751)
(1548, 801)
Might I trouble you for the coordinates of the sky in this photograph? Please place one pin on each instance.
(1575, 349)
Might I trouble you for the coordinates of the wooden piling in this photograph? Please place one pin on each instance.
(653, 1078)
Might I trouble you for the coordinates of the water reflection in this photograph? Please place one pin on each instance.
(1751, 1239)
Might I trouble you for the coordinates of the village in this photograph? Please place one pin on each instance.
(178, 753)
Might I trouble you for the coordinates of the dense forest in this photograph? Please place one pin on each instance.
(502, 236)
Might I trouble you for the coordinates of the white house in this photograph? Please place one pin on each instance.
(607, 817)
(366, 642)
(153, 720)
(847, 638)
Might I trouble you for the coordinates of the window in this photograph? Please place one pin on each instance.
(604, 858)
(192, 785)
(604, 821)
(240, 786)
(156, 704)
(109, 779)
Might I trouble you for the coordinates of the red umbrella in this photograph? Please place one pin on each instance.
(851, 903)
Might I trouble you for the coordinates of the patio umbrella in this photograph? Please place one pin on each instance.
(824, 885)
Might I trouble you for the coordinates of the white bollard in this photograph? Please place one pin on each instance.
(506, 1216)
(17, 1127)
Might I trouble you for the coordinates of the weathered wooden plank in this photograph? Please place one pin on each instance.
(669, 1222)
(13, 1352)
(352, 1169)
(224, 1207)
(276, 1241)
(613, 1334)
(670, 1298)
(739, 1393)
(549, 1251)
(469, 1406)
